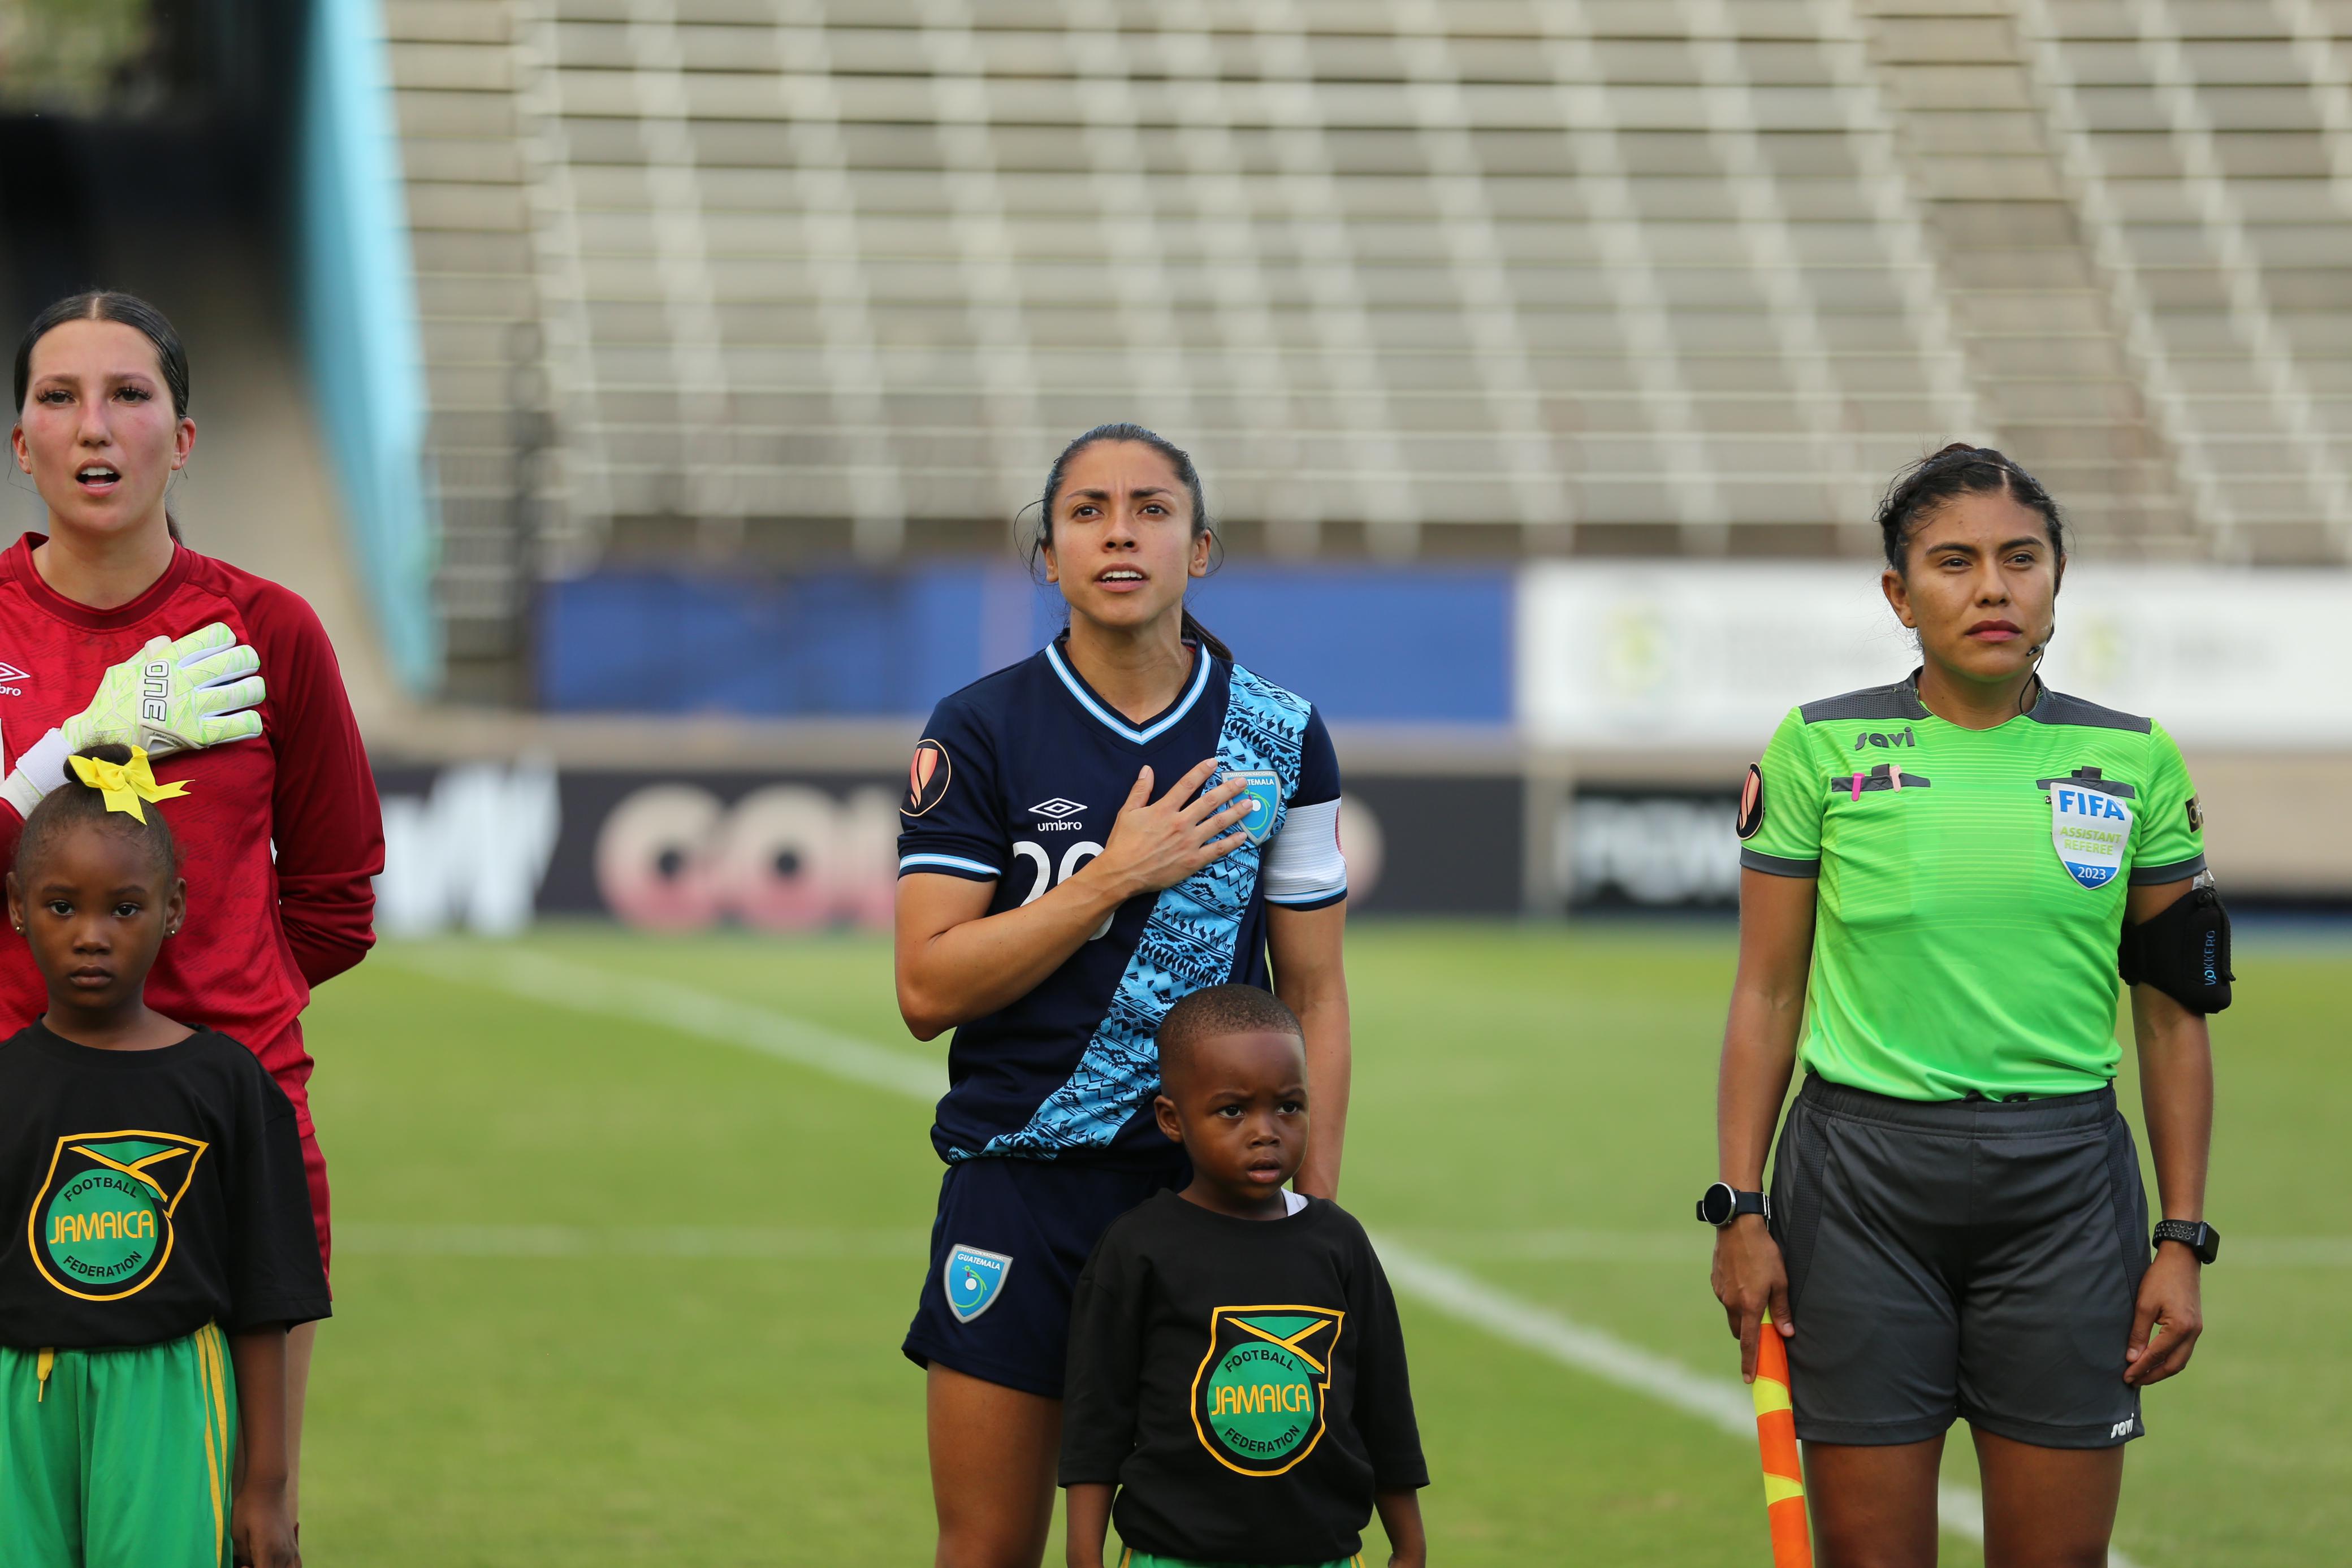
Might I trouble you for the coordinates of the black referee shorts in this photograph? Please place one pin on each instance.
(1969, 1258)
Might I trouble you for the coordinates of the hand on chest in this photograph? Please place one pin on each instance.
(50, 673)
(1060, 815)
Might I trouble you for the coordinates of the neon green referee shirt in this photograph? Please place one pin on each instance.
(1971, 884)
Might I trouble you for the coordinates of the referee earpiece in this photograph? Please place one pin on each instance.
(2033, 680)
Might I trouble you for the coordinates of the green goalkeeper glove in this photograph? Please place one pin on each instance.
(170, 697)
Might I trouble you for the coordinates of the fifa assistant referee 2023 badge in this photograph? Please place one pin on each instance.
(2090, 826)
(200, 691)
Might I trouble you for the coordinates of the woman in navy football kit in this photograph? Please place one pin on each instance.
(1122, 819)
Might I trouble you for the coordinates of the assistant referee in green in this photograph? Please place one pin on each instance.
(1941, 882)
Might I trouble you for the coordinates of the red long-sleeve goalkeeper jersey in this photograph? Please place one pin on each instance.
(260, 931)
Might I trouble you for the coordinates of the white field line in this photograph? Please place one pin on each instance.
(1674, 1247)
(556, 982)
(374, 1239)
(668, 1005)
(431, 1239)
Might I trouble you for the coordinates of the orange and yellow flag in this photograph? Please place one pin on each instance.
(1776, 1439)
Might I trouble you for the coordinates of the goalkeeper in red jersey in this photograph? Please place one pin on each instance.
(114, 631)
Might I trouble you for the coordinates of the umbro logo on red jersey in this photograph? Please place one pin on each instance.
(9, 672)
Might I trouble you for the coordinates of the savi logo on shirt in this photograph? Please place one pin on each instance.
(102, 1224)
(1258, 1398)
(2089, 827)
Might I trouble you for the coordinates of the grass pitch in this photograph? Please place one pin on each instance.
(614, 1293)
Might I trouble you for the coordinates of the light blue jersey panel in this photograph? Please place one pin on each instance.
(1188, 942)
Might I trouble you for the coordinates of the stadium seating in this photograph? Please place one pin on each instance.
(779, 278)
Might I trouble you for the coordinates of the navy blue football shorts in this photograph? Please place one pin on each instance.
(1006, 1251)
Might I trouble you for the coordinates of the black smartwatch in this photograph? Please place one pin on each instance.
(2194, 1234)
(1723, 1203)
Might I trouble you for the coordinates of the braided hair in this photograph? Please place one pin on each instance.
(74, 804)
(1960, 469)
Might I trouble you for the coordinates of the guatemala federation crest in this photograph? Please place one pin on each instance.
(2090, 829)
(1258, 1397)
(974, 1278)
(1262, 793)
(100, 1228)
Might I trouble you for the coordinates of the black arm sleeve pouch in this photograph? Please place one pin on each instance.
(2183, 951)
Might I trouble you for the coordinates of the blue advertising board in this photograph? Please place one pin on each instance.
(1367, 643)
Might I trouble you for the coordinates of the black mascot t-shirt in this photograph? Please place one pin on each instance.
(1242, 1381)
(148, 1192)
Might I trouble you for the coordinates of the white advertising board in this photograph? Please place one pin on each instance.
(1712, 653)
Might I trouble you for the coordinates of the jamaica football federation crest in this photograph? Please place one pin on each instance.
(1257, 1400)
(102, 1225)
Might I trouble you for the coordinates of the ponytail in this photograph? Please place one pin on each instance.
(1210, 642)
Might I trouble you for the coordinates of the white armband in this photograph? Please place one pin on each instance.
(1303, 864)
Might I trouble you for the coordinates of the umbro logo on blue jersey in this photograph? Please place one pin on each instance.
(1060, 814)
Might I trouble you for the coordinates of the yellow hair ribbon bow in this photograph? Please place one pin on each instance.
(125, 784)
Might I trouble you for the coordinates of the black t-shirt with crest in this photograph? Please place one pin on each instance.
(1242, 1381)
(146, 1193)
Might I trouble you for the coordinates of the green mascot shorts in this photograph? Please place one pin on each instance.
(117, 1458)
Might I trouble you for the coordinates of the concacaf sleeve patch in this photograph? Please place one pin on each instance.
(2196, 816)
(927, 777)
(1751, 801)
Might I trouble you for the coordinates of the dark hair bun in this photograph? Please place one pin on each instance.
(77, 803)
(1960, 469)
